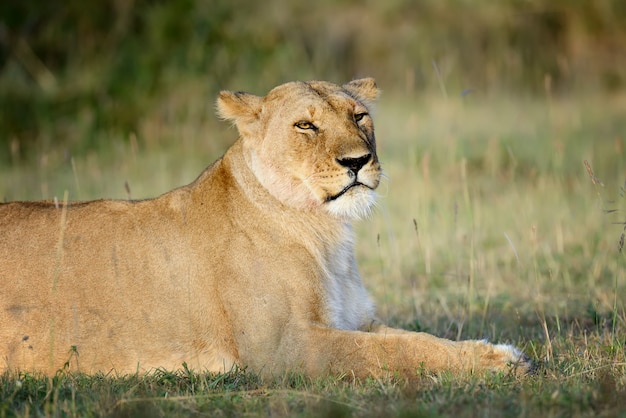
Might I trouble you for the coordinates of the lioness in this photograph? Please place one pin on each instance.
(251, 265)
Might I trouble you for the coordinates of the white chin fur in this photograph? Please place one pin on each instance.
(356, 204)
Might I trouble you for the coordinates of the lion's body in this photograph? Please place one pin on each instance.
(251, 265)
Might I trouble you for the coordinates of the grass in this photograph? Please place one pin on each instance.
(488, 226)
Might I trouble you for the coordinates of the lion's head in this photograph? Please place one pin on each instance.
(311, 144)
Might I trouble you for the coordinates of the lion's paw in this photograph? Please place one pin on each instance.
(513, 358)
(502, 357)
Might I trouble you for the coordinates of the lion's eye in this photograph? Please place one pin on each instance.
(305, 125)
(359, 116)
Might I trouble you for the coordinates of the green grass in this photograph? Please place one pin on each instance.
(488, 225)
(556, 390)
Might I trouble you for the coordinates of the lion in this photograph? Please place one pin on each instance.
(249, 266)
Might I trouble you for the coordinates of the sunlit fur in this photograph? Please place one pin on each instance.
(356, 204)
(250, 265)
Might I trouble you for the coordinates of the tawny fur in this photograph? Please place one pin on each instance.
(250, 265)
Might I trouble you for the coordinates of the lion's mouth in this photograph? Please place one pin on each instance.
(345, 189)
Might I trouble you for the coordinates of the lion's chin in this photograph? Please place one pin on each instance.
(356, 203)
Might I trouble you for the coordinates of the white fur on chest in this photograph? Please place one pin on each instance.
(348, 303)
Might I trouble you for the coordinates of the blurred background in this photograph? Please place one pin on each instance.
(73, 73)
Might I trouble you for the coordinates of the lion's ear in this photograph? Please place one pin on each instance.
(363, 89)
(241, 108)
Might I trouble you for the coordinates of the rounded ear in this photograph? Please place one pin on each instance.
(363, 89)
(241, 108)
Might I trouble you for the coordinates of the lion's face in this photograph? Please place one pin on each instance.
(311, 145)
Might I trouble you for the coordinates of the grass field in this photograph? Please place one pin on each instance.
(489, 225)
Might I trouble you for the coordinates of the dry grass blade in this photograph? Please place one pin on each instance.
(592, 176)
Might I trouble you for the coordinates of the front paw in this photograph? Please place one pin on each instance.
(514, 359)
(502, 357)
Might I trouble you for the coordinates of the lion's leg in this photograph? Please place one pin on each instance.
(380, 328)
(380, 354)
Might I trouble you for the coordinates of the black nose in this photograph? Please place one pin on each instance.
(355, 164)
